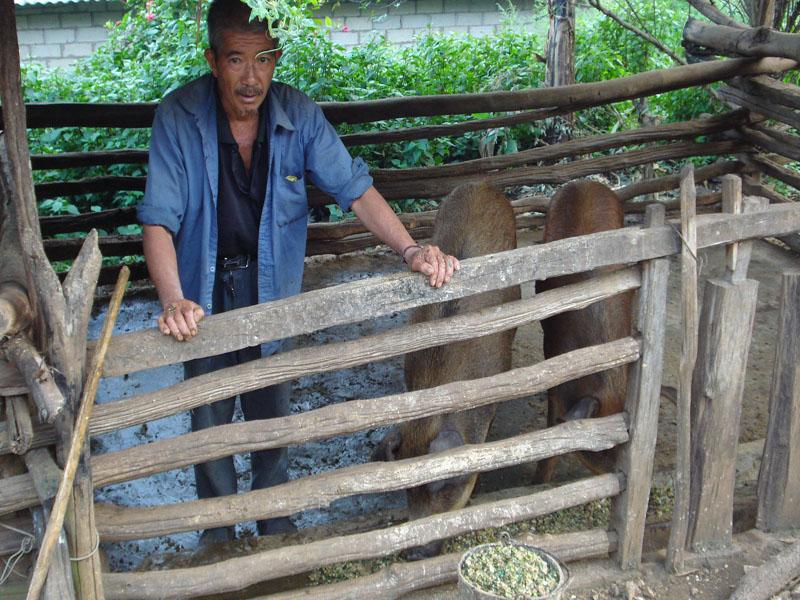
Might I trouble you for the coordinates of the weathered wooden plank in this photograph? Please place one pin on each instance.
(402, 578)
(678, 533)
(753, 41)
(671, 182)
(20, 492)
(286, 366)
(238, 573)
(635, 459)
(365, 299)
(117, 523)
(751, 204)
(715, 15)
(69, 160)
(38, 377)
(754, 103)
(779, 477)
(731, 204)
(725, 330)
(379, 296)
(772, 577)
(773, 141)
(44, 473)
(772, 169)
(19, 432)
(356, 415)
(772, 90)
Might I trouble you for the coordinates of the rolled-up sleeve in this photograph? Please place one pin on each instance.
(165, 194)
(330, 166)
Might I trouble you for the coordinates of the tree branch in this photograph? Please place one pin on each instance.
(641, 33)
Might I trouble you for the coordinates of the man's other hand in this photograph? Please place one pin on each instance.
(180, 319)
(437, 266)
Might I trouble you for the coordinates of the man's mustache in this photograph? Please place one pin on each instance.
(249, 90)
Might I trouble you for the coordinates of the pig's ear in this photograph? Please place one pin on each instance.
(389, 446)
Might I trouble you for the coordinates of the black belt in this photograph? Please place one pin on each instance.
(234, 263)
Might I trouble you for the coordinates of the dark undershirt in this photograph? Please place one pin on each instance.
(241, 194)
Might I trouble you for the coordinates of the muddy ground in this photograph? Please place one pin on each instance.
(383, 378)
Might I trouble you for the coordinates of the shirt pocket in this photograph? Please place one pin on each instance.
(290, 197)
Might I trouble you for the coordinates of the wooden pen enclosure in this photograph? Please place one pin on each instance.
(741, 136)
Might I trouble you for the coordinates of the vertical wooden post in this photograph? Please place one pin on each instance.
(635, 459)
(680, 512)
(779, 477)
(726, 326)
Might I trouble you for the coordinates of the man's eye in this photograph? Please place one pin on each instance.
(265, 59)
(235, 60)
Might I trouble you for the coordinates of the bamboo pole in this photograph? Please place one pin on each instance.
(56, 519)
(680, 518)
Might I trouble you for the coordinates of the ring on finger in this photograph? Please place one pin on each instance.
(171, 309)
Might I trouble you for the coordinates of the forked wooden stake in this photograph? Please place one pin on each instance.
(56, 521)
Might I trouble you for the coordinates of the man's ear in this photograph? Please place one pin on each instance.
(211, 59)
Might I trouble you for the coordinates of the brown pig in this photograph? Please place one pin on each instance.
(474, 220)
(580, 208)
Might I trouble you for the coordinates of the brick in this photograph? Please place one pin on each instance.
(404, 8)
(76, 20)
(359, 23)
(22, 22)
(91, 34)
(401, 36)
(458, 29)
(77, 50)
(481, 30)
(63, 63)
(46, 51)
(386, 23)
(347, 9)
(344, 39)
(469, 19)
(443, 20)
(43, 21)
(415, 21)
(492, 18)
(456, 6)
(59, 36)
(430, 6)
(31, 36)
(24, 52)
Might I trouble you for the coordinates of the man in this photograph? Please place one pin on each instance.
(225, 215)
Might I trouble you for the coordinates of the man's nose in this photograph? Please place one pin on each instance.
(249, 71)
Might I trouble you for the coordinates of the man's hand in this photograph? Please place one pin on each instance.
(433, 263)
(180, 319)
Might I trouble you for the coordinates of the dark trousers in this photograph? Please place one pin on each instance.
(237, 289)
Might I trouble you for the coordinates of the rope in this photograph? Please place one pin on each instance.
(25, 547)
(92, 553)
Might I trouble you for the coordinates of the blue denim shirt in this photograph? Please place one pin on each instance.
(182, 184)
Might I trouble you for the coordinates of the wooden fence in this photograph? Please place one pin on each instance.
(734, 133)
(635, 430)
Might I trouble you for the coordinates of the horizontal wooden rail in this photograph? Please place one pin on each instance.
(394, 185)
(772, 140)
(772, 90)
(355, 415)
(116, 523)
(99, 158)
(284, 366)
(603, 92)
(399, 579)
(20, 492)
(572, 148)
(780, 173)
(672, 182)
(756, 104)
(378, 296)
(239, 573)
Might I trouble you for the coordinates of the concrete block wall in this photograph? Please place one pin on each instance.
(57, 35)
(403, 20)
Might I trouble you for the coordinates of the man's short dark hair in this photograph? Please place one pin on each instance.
(232, 15)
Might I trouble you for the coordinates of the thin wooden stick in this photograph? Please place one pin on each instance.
(58, 512)
(680, 521)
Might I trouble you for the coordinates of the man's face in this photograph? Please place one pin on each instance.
(244, 68)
